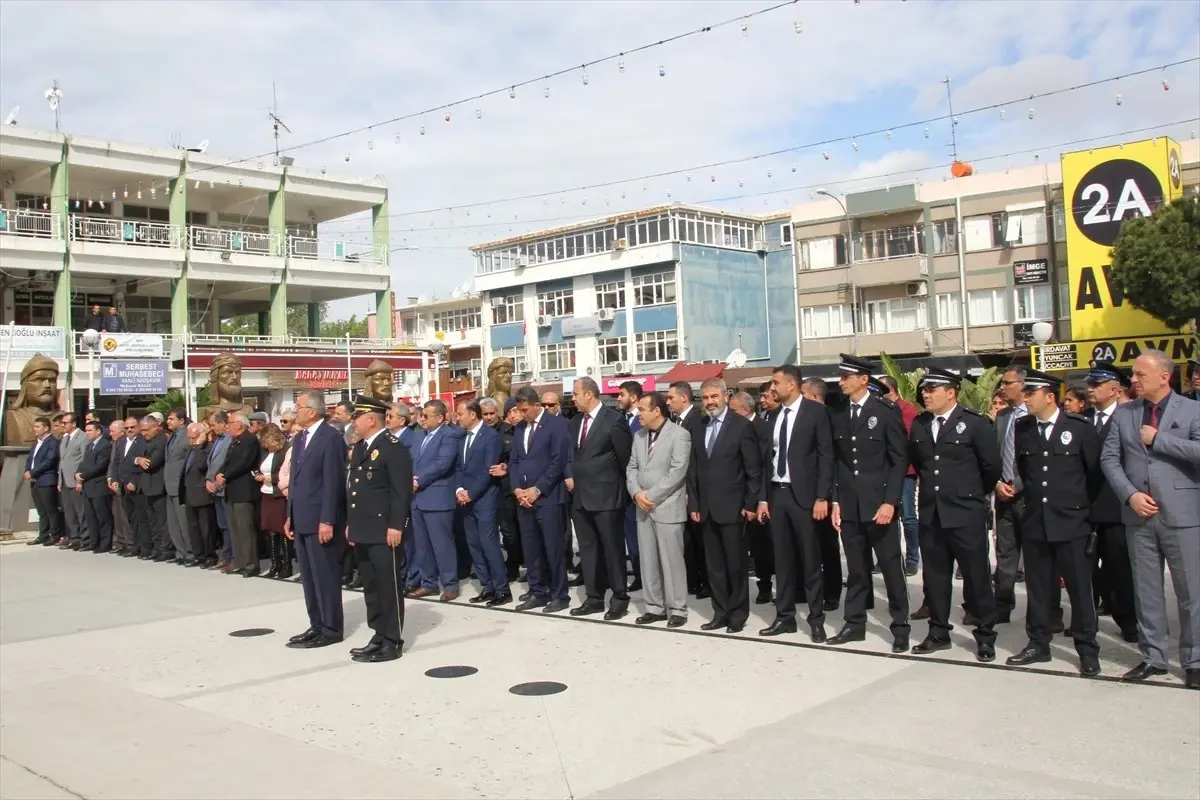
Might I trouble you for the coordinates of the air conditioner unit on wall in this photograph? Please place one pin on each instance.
(522, 365)
(623, 367)
(622, 244)
(543, 321)
(606, 315)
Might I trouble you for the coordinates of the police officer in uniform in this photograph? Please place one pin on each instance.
(379, 482)
(1058, 459)
(957, 459)
(871, 456)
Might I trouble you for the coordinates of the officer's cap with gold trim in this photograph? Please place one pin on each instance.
(1041, 380)
(364, 404)
(1104, 371)
(936, 376)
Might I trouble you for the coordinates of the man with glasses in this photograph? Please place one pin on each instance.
(433, 505)
(1009, 503)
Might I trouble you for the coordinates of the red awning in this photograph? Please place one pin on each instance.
(693, 373)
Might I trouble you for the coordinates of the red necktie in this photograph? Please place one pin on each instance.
(583, 433)
(1154, 416)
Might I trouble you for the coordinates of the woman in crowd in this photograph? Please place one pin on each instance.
(998, 404)
(1076, 400)
(273, 505)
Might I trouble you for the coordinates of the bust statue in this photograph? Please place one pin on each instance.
(38, 399)
(499, 385)
(379, 380)
(225, 385)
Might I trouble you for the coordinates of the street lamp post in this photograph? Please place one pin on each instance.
(854, 315)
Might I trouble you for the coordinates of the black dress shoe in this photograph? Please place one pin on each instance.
(1089, 667)
(370, 647)
(719, 622)
(311, 633)
(36, 541)
(985, 653)
(555, 606)
(615, 613)
(703, 593)
(736, 628)
(847, 635)
(1032, 654)
(831, 605)
(931, 645)
(779, 627)
(647, 619)
(636, 586)
(525, 596)
(818, 634)
(386, 652)
(320, 640)
(250, 572)
(900, 644)
(128, 554)
(1130, 635)
(676, 621)
(47, 542)
(500, 600)
(1143, 671)
(1191, 678)
(531, 603)
(585, 610)
(161, 557)
(482, 598)
(763, 598)
(74, 545)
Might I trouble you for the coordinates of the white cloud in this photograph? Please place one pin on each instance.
(140, 71)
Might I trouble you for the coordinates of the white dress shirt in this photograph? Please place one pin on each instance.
(937, 427)
(529, 428)
(591, 422)
(1053, 421)
(1102, 416)
(793, 409)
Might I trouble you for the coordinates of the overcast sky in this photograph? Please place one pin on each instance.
(140, 71)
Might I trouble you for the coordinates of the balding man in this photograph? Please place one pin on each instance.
(199, 505)
(153, 536)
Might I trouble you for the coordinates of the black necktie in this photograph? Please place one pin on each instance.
(1042, 428)
(854, 411)
(938, 433)
(781, 459)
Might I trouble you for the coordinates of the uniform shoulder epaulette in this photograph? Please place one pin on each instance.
(971, 411)
(1079, 417)
(926, 414)
(1026, 420)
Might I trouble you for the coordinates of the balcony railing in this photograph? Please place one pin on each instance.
(305, 247)
(221, 239)
(210, 341)
(125, 231)
(23, 222)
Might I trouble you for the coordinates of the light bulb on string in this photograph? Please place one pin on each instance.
(422, 130)
(689, 178)
(768, 173)
(546, 92)
(101, 205)
(1031, 112)
(854, 144)
(1166, 85)
(712, 178)
(114, 195)
(347, 158)
(139, 192)
(478, 112)
(1002, 113)
(76, 204)
(793, 167)
(152, 190)
(397, 138)
(126, 195)
(447, 116)
(197, 186)
(370, 144)
(825, 156)
(322, 169)
(889, 136)
(622, 195)
(512, 93)
(798, 26)
(210, 184)
(927, 133)
(585, 76)
(745, 30)
(1119, 100)
(668, 194)
(662, 71)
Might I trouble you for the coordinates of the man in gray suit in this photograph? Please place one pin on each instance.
(216, 463)
(70, 455)
(178, 448)
(1151, 458)
(656, 478)
(1009, 500)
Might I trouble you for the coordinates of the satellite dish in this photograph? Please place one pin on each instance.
(11, 119)
(736, 359)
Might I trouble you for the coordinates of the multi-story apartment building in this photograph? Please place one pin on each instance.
(937, 269)
(451, 327)
(635, 293)
(177, 239)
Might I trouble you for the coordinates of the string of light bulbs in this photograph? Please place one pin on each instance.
(824, 184)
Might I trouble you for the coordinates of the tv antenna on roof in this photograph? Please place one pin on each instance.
(276, 122)
(53, 97)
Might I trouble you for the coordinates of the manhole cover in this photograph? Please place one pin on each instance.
(538, 688)
(450, 672)
(247, 632)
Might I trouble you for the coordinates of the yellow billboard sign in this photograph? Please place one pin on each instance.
(1122, 352)
(1101, 189)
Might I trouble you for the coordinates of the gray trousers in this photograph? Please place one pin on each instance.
(122, 524)
(1150, 546)
(177, 526)
(243, 534)
(74, 515)
(664, 575)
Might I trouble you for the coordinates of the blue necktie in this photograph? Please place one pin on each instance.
(712, 435)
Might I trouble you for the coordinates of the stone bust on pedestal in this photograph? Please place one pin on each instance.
(499, 385)
(38, 399)
(225, 385)
(379, 380)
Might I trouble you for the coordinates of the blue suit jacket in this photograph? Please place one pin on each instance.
(473, 475)
(434, 461)
(544, 465)
(43, 469)
(411, 438)
(317, 487)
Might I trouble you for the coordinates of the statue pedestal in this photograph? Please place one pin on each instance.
(15, 498)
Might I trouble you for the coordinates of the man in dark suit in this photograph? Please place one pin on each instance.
(506, 505)
(1009, 500)
(872, 456)
(93, 474)
(204, 537)
(478, 494)
(1114, 573)
(595, 475)
(801, 483)
(316, 519)
(628, 395)
(433, 504)
(41, 470)
(237, 478)
(724, 484)
(958, 461)
(536, 465)
(122, 522)
(130, 476)
(758, 535)
(403, 431)
(177, 452)
(681, 400)
(380, 496)
(816, 390)
(153, 535)
(1058, 458)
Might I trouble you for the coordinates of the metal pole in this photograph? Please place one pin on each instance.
(91, 404)
(854, 315)
(349, 372)
(12, 332)
(189, 397)
(962, 273)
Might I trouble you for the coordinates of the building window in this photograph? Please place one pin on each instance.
(558, 356)
(654, 289)
(411, 324)
(897, 315)
(820, 322)
(613, 350)
(508, 308)
(558, 303)
(785, 234)
(610, 295)
(716, 231)
(944, 234)
(987, 307)
(1059, 214)
(977, 233)
(517, 354)
(1064, 300)
(657, 346)
(824, 253)
(898, 242)
(457, 320)
(949, 310)
(1033, 303)
(1024, 226)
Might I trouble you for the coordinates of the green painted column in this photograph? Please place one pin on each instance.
(264, 324)
(314, 319)
(177, 208)
(381, 241)
(277, 322)
(60, 204)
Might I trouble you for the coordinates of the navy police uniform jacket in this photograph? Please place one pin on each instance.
(1061, 474)
(378, 489)
(871, 459)
(958, 471)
